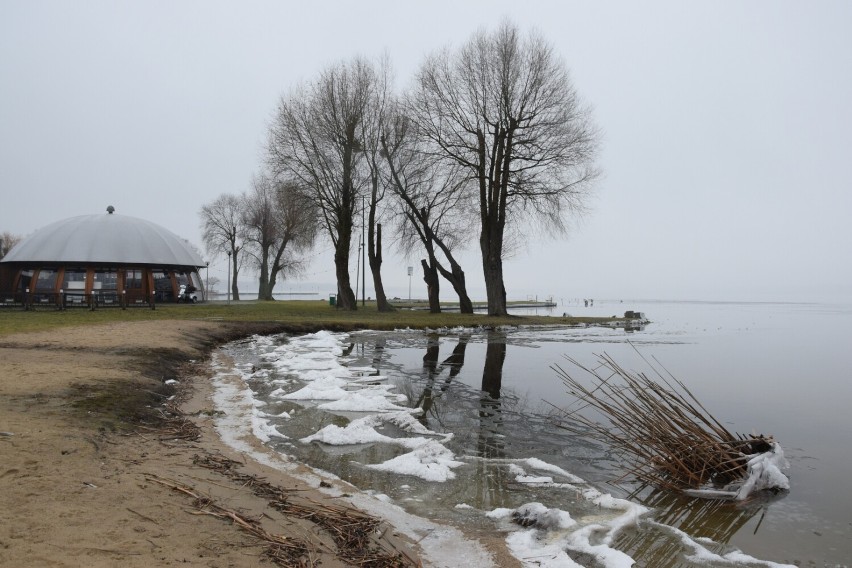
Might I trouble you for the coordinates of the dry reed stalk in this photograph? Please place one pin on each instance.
(282, 550)
(663, 434)
(355, 533)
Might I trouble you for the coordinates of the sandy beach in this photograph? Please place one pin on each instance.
(99, 468)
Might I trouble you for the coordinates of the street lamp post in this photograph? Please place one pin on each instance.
(228, 286)
(206, 280)
(410, 272)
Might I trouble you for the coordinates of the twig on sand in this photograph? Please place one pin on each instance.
(282, 550)
(356, 535)
(143, 516)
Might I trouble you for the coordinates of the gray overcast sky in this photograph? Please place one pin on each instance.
(727, 127)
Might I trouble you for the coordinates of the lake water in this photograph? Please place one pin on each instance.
(490, 400)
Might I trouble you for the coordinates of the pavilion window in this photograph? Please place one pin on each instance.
(163, 286)
(25, 280)
(46, 280)
(105, 279)
(74, 280)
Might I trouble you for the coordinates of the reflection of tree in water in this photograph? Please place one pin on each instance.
(490, 417)
(492, 478)
(489, 483)
(378, 354)
(431, 372)
(699, 518)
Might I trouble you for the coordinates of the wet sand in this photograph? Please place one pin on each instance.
(98, 469)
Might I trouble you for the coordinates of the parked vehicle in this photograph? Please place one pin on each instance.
(187, 294)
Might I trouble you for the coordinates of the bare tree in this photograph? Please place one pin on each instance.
(298, 228)
(504, 109)
(221, 223)
(431, 201)
(314, 139)
(371, 129)
(278, 223)
(7, 241)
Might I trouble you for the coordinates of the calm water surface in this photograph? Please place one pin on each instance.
(772, 368)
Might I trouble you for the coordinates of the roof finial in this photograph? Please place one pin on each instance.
(110, 209)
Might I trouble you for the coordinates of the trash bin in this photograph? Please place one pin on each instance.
(332, 300)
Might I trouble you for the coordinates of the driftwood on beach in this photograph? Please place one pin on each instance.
(662, 433)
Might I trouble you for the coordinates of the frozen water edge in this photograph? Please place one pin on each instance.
(316, 360)
(443, 546)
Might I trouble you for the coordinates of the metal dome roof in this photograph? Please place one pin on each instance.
(104, 238)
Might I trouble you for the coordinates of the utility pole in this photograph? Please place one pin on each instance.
(363, 259)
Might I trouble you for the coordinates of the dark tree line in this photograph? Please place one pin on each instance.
(490, 137)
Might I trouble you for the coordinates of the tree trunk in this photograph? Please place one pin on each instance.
(263, 291)
(345, 296)
(433, 285)
(235, 290)
(374, 253)
(492, 269)
(456, 279)
(271, 286)
(276, 266)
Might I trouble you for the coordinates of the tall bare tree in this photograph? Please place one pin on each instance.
(279, 222)
(432, 202)
(504, 108)
(314, 139)
(221, 224)
(371, 130)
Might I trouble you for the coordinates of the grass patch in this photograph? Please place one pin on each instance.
(296, 315)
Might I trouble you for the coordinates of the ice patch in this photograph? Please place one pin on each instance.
(541, 465)
(536, 514)
(314, 361)
(240, 422)
(533, 479)
(764, 472)
(325, 388)
(363, 431)
(701, 554)
(263, 430)
(431, 461)
(528, 547)
(550, 533)
(364, 402)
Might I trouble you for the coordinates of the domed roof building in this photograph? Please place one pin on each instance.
(100, 260)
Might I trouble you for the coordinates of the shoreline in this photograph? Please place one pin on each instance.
(97, 471)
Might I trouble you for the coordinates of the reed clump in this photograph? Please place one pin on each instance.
(663, 435)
